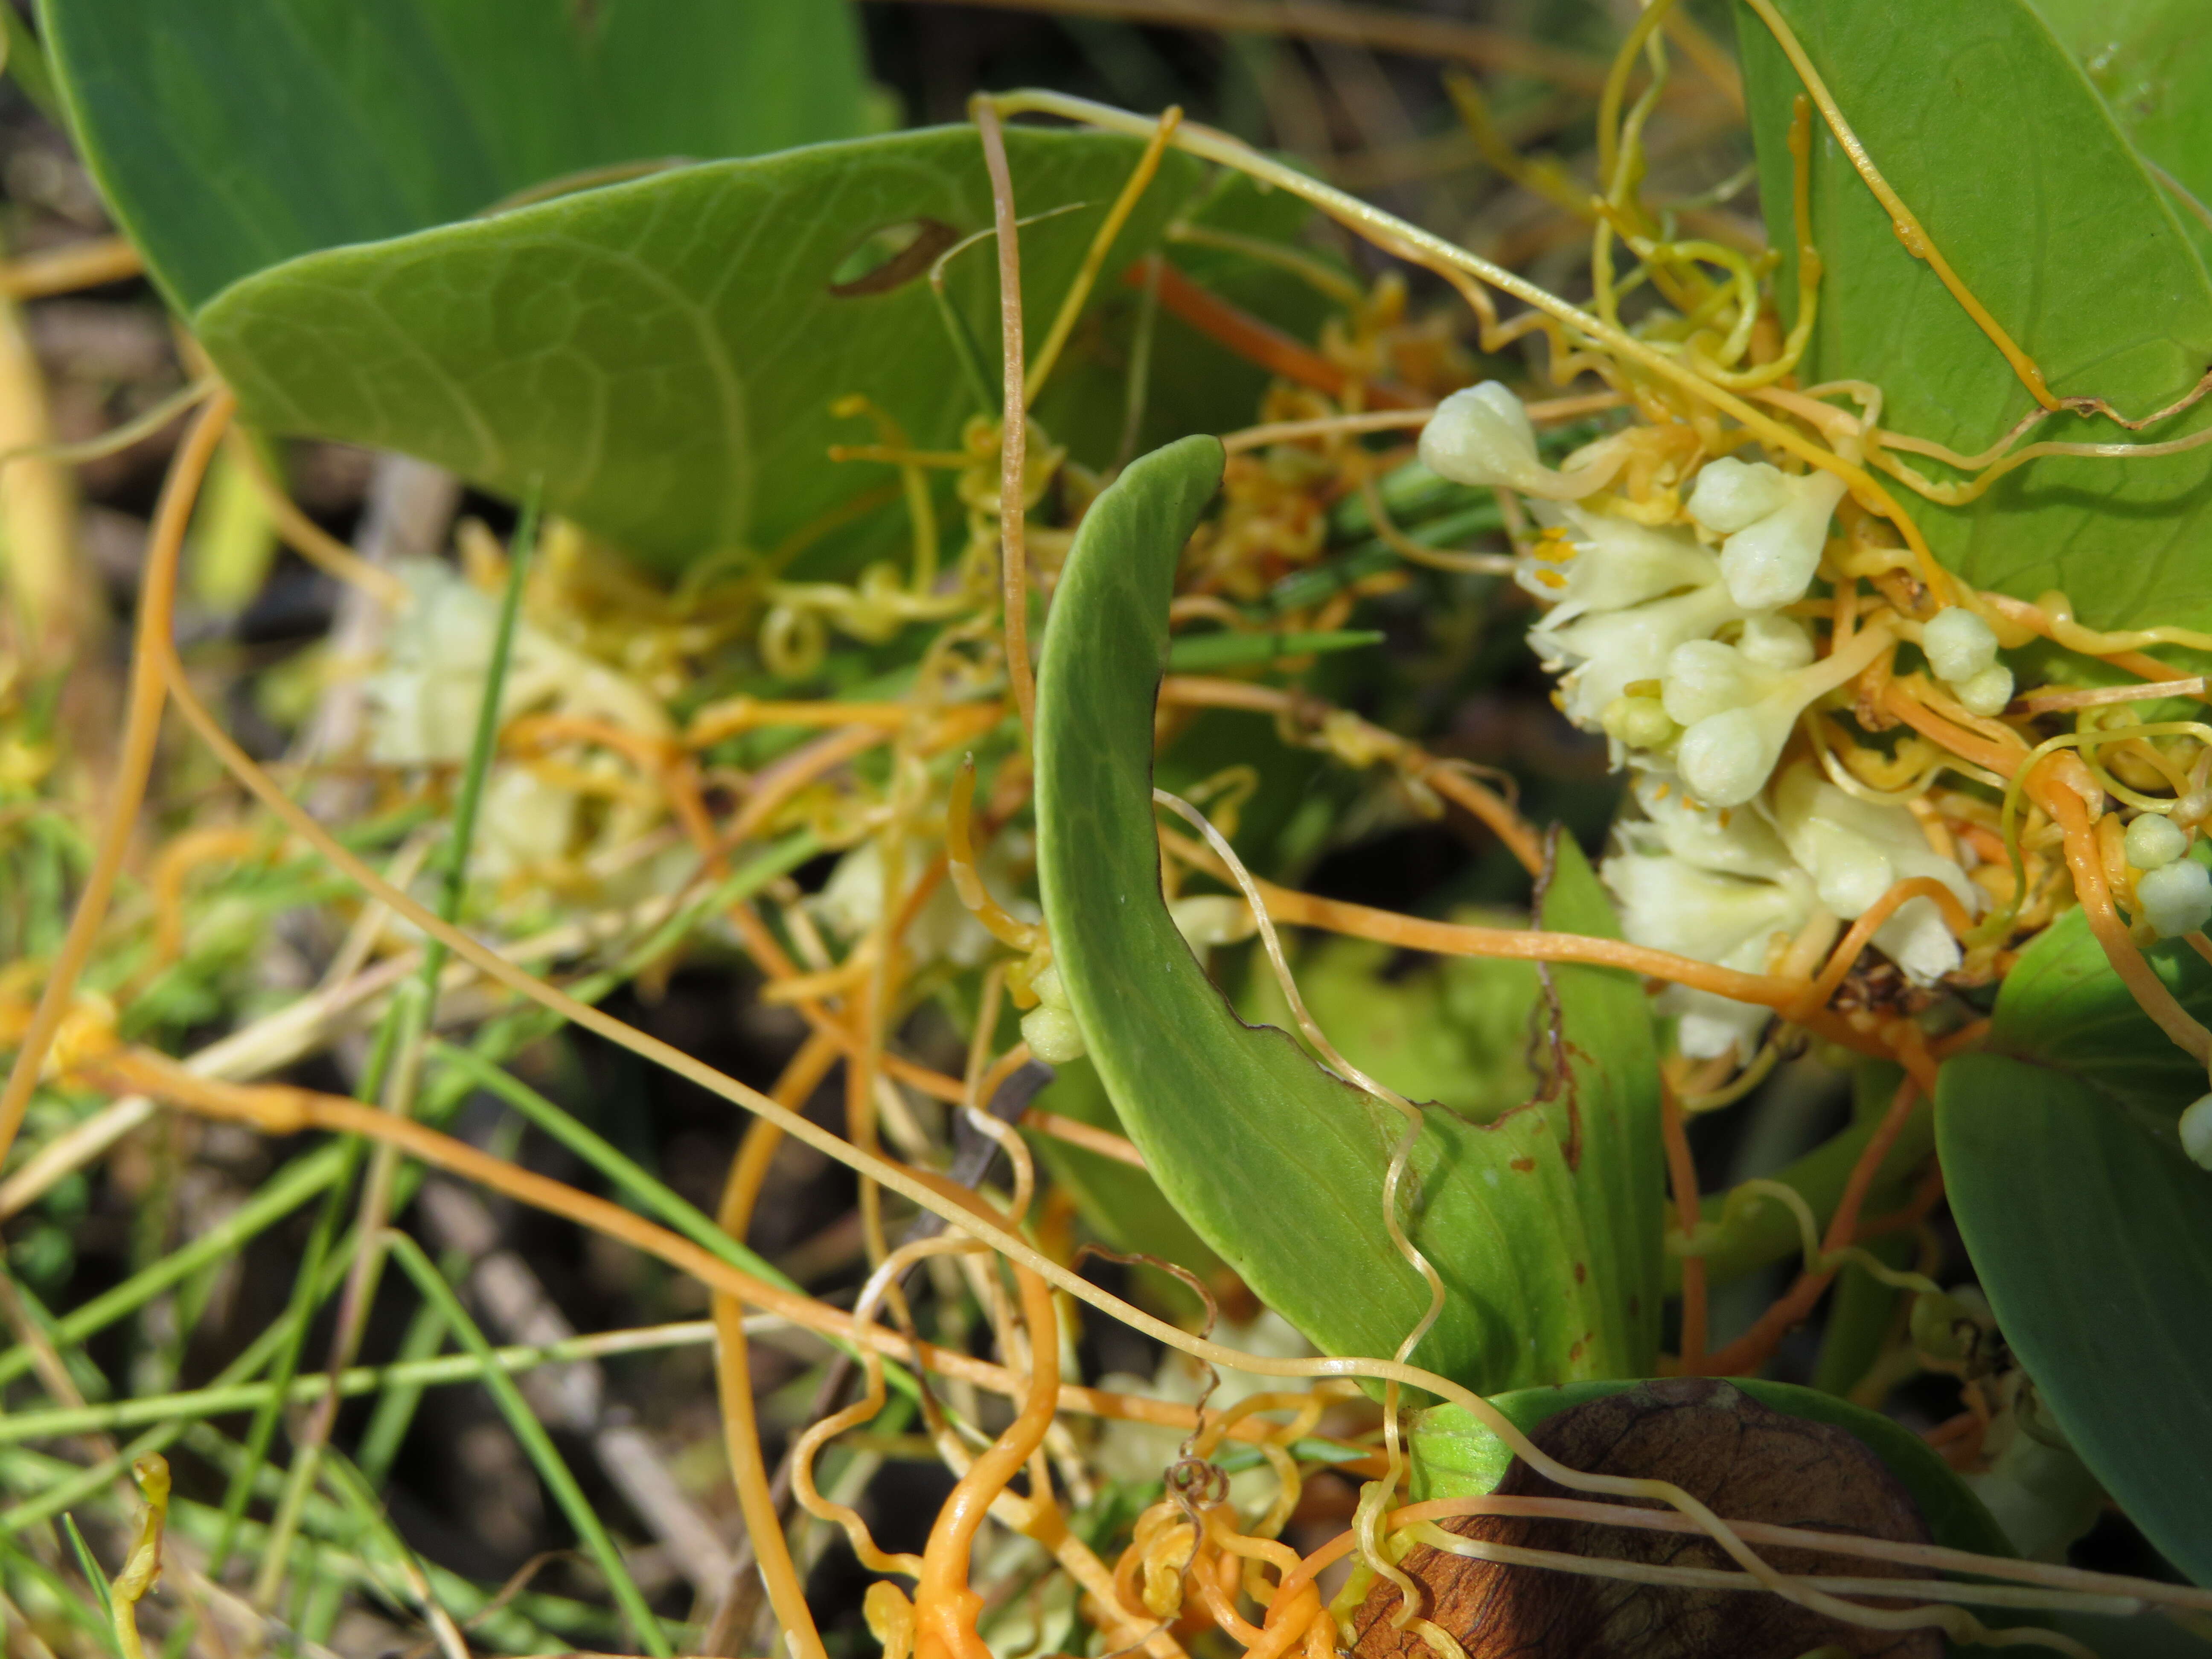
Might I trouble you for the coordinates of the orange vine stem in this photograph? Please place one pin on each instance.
(1846, 954)
(1259, 343)
(1683, 1175)
(1756, 1345)
(134, 766)
(946, 1604)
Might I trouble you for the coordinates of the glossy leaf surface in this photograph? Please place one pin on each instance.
(1995, 137)
(2151, 61)
(663, 355)
(1550, 1256)
(2094, 1242)
(232, 135)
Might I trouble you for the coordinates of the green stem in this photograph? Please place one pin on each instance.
(417, 1373)
(291, 1186)
(307, 1291)
(410, 1015)
(399, 1394)
(552, 1467)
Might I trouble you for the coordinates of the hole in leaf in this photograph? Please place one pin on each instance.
(890, 257)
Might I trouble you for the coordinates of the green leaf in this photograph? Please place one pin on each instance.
(2093, 1243)
(2062, 1005)
(232, 135)
(1455, 1456)
(1995, 137)
(2152, 60)
(1195, 653)
(664, 354)
(1544, 1223)
(1453, 1030)
(1122, 1204)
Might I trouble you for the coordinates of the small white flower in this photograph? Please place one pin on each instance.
(1855, 851)
(2175, 898)
(1596, 561)
(1738, 714)
(1733, 921)
(1725, 843)
(1609, 651)
(1717, 886)
(1776, 526)
(1482, 436)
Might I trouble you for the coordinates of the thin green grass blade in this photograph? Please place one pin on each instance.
(552, 1468)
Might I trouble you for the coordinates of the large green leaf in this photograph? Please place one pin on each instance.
(1121, 1203)
(1455, 1456)
(663, 354)
(1994, 136)
(2152, 60)
(2063, 1006)
(1544, 1224)
(231, 135)
(1454, 1031)
(2094, 1242)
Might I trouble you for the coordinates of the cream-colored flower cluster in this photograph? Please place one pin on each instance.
(422, 702)
(1677, 640)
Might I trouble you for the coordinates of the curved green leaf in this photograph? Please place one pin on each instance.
(232, 135)
(663, 354)
(1455, 1456)
(1992, 134)
(2093, 1243)
(1544, 1223)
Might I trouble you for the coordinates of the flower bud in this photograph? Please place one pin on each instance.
(1776, 641)
(1482, 436)
(1732, 494)
(1771, 561)
(2195, 1127)
(1705, 677)
(1052, 1035)
(2175, 898)
(1638, 723)
(1958, 644)
(1049, 991)
(1725, 758)
(1987, 692)
(2155, 841)
(1206, 920)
